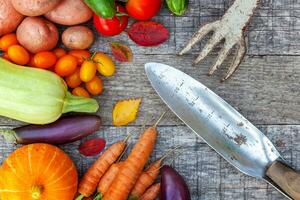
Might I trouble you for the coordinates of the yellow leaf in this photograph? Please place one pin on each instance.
(125, 111)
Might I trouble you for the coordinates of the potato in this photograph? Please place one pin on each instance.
(37, 34)
(70, 12)
(34, 7)
(9, 17)
(78, 37)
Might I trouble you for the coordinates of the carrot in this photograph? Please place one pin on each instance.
(148, 177)
(145, 180)
(133, 166)
(88, 183)
(151, 193)
(107, 179)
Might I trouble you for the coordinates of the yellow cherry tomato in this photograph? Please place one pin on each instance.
(18, 54)
(95, 86)
(73, 80)
(88, 70)
(66, 65)
(8, 40)
(105, 64)
(81, 92)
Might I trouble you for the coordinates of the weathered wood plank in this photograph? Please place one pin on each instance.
(274, 29)
(208, 175)
(264, 89)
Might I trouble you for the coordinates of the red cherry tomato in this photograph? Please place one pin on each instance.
(143, 9)
(111, 27)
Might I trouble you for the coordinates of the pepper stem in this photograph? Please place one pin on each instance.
(9, 135)
(79, 104)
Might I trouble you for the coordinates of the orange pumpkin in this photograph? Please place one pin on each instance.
(38, 172)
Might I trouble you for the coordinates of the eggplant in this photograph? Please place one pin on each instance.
(64, 130)
(173, 186)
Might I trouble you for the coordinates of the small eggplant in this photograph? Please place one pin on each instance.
(173, 186)
(65, 130)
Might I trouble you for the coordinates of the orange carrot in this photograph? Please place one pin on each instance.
(148, 177)
(145, 180)
(107, 179)
(90, 180)
(133, 166)
(151, 193)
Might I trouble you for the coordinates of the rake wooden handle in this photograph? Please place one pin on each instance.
(286, 178)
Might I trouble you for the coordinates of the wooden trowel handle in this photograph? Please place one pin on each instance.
(286, 178)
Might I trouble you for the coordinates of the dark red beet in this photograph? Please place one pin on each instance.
(64, 130)
(173, 186)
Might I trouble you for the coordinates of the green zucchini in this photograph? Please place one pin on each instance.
(103, 8)
(37, 96)
(177, 7)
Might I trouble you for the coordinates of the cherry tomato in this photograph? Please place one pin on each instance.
(143, 9)
(88, 70)
(59, 52)
(81, 92)
(18, 54)
(5, 56)
(81, 55)
(105, 64)
(113, 26)
(31, 61)
(73, 80)
(45, 59)
(95, 86)
(66, 65)
(7, 41)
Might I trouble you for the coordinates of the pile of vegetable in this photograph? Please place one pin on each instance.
(111, 179)
(77, 67)
(40, 81)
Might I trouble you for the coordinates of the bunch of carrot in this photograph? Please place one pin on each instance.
(126, 179)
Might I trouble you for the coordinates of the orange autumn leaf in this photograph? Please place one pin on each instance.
(125, 111)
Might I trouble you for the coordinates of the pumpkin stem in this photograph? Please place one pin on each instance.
(79, 104)
(36, 192)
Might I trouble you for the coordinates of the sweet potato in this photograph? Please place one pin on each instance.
(37, 34)
(9, 17)
(78, 37)
(34, 7)
(70, 12)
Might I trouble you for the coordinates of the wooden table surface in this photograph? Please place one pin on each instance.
(265, 89)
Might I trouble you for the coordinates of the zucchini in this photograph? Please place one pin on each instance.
(37, 96)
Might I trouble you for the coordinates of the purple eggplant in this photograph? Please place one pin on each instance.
(64, 130)
(173, 186)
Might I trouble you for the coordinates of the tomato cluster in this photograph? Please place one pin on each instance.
(139, 9)
(77, 67)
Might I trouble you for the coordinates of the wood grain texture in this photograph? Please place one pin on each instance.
(265, 89)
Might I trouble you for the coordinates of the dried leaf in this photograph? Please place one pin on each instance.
(121, 52)
(125, 111)
(92, 147)
(148, 33)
